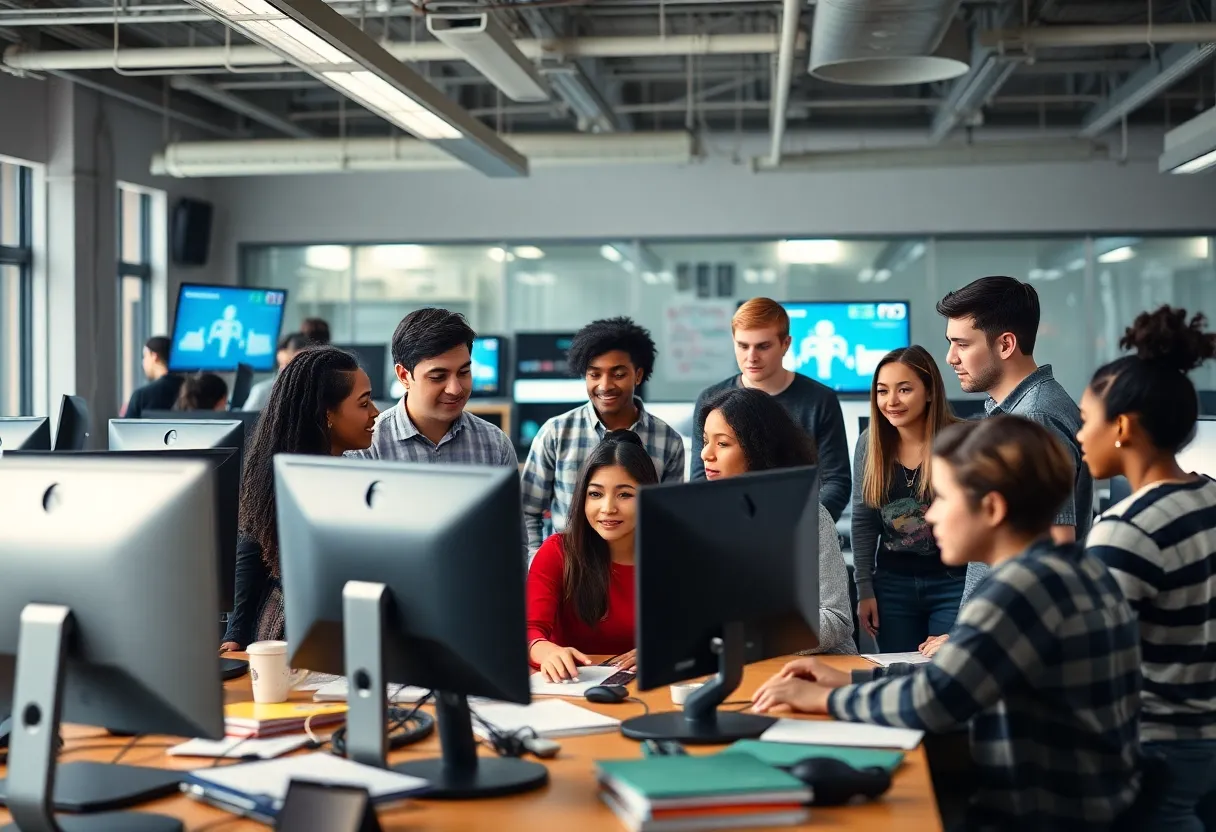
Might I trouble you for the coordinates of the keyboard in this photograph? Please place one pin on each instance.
(621, 677)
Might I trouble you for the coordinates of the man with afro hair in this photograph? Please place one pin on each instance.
(614, 356)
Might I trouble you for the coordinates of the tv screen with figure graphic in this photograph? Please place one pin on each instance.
(217, 327)
(839, 344)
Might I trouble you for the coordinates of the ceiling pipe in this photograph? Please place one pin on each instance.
(1050, 37)
(791, 17)
(239, 105)
(220, 58)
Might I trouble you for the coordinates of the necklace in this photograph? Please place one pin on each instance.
(910, 475)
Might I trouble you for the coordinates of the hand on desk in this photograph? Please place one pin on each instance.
(803, 685)
(626, 661)
(230, 647)
(558, 664)
(932, 644)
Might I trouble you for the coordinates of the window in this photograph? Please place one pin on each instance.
(134, 285)
(16, 339)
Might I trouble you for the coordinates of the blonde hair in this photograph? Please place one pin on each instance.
(758, 313)
(882, 449)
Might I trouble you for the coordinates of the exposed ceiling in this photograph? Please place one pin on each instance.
(644, 83)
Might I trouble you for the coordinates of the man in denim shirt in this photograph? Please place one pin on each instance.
(991, 324)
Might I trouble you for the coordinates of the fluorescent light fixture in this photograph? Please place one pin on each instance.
(1201, 248)
(1118, 255)
(336, 51)
(536, 278)
(327, 258)
(405, 256)
(529, 252)
(485, 44)
(610, 253)
(500, 255)
(945, 155)
(866, 275)
(882, 275)
(1077, 265)
(809, 251)
(1190, 147)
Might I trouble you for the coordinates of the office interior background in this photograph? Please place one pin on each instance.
(682, 158)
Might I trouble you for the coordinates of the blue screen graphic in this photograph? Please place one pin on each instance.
(840, 344)
(219, 326)
(485, 366)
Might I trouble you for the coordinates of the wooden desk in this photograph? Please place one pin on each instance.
(570, 800)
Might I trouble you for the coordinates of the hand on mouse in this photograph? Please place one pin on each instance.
(815, 670)
(626, 661)
(785, 693)
(558, 664)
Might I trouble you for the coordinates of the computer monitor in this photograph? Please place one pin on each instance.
(72, 433)
(127, 642)
(374, 360)
(242, 384)
(215, 328)
(530, 418)
(1199, 456)
(29, 433)
(248, 417)
(1207, 402)
(839, 343)
(184, 434)
(715, 594)
(431, 597)
(542, 355)
(863, 424)
(489, 366)
(968, 408)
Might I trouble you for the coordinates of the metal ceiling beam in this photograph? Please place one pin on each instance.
(138, 94)
(1173, 64)
(239, 105)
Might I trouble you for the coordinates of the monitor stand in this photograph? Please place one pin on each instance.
(460, 774)
(701, 722)
(37, 706)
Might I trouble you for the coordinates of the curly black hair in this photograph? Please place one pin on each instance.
(768, 435)
(606, 335)
(294, 422)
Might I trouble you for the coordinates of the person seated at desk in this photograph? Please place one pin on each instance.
(321, 404)
(162, 388)
(581, 585)
(202, 391)
(613, 356)
(1043, 664)
(748, 430)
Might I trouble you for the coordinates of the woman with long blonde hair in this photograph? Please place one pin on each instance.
(905, 593)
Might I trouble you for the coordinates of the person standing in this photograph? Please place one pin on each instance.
(909, 594)
(761, 333)
(1160, 544)
(613, 356)
(161, 391)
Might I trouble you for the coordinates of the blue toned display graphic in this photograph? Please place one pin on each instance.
(218, 327)
(840, 344)
(486, 355)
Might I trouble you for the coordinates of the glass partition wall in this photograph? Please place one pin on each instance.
(685, 291)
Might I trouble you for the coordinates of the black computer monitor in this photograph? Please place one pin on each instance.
(1207, 402)
(107, 617)
(715, 594)
(242, 384)
(25, 433)
(72, 433)
(968, 408)
(863, 424)
(432, 596)
(374, 360)
(530, 418)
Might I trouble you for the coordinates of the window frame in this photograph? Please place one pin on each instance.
(143, 271)
(22, 256)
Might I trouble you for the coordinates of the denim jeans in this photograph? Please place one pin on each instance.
(1189, 802)
(913, 607)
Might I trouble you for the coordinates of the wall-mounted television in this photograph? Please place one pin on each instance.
(217, 327)
(489, 366)
(542, 355)
(839, 343)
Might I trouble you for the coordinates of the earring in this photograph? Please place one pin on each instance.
(1118, 443)
(329, 425)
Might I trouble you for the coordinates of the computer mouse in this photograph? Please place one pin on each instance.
(607, 694)
(834, 782)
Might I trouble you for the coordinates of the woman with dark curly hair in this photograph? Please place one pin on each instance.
(749, 430)
(320, 404)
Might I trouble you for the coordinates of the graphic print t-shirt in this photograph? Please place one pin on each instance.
(907, 543)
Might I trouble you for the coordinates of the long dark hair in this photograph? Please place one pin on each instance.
(295, 421)
(768, 435)
(202, 391)
(588, 563)
(883, 448)
(1153, 383)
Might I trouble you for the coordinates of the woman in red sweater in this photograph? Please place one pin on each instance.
(580, 585)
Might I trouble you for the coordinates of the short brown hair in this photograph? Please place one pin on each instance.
(1021, 460)
(758, 313)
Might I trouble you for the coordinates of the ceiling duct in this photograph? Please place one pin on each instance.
(485, 44)
(888, 42)
(1191, 147)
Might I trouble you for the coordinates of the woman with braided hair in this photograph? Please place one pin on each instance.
(320, 404)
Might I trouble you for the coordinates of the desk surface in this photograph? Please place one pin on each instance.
(569, 801)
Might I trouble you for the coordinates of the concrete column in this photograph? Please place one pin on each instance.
(82, 283)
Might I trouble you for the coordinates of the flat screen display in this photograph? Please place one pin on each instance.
(488, 365)
(542, 354)
(217, 327)
(839, 344)
(1199, 457)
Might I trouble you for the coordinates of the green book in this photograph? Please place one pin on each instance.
(687, 781)
(788, 753)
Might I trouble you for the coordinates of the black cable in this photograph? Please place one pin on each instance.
(743, 704)
(127, 747)
(645, 707)
(216, 824)
(98, 746)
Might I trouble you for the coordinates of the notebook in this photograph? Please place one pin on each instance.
(552, 718)
(836, 732)
(786, 754)
(337, 691)
(236, 747)
(258, 789)
(888, 659)
(588, 677)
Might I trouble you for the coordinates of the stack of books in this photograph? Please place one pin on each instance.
(249, 720)
(725, 791)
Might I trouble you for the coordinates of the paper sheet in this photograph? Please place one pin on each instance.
(588, 677)
(836, 732)
(235, 747)
(888, 659)
(315, 681)
(551, 718)
(337, 691)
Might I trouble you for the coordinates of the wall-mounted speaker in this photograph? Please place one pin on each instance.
(190, 232)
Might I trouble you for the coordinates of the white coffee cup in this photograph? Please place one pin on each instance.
(680, 693)
(272, 678)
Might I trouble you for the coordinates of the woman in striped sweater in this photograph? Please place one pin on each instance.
(1160, 545)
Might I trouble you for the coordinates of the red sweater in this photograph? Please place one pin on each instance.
(551, 619)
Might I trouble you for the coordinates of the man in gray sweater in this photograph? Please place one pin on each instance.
(761, 332)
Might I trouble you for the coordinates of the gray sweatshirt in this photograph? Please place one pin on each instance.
(835, 615)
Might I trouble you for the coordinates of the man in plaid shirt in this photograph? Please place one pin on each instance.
(614, 356)
(1043, 663)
